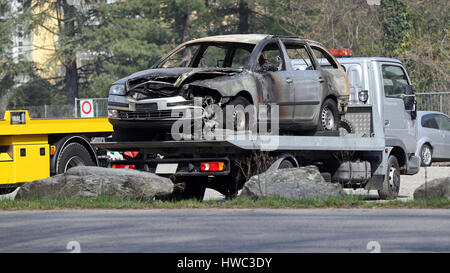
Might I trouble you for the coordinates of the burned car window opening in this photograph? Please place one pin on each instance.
(271, 59)
(299, 57)
(324, 60)
(203, 55)
(181, 58)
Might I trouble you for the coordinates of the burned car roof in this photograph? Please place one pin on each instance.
(233, 38)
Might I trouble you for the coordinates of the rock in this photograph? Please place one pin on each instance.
(293, 183)
(92, 181)
(435, 189)
(211, 194)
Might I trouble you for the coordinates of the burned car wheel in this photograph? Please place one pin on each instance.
(239, 104)
(328, 119)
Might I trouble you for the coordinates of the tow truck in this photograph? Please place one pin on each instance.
(371, 153)
(32, 149)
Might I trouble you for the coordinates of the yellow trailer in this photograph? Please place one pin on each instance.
(32, 149)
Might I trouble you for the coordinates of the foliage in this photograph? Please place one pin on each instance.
(110, 41)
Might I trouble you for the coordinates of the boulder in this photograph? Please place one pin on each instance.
(294, 183)
(435, 189)
(93, 181)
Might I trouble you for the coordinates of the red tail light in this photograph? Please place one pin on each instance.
(123, 166)
(341, 52)
(212, 166)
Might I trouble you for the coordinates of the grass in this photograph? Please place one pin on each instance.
(107, 202)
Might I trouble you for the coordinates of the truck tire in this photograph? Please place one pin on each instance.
(391, 184)
(7, 190)
(73, 155)
(328, 116)
(286, 164)
(426, 155)
(191, 188)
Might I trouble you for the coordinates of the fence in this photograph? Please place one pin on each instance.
(62, 111)
(434, 101)
(99, 106)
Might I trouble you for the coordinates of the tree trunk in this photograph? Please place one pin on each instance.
(69, 58)
(244, 13)
(186, 26)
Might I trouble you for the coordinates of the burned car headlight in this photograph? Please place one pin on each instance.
(112, 113)
(118, 89)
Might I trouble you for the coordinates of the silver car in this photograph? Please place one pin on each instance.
(433, 136)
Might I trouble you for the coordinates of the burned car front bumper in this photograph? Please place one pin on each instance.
(158, 113)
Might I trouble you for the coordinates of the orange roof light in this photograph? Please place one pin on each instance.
(341, 52)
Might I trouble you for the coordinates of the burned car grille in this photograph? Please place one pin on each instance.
(147, 115)
(147, 106)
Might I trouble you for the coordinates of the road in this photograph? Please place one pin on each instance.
(215, 230)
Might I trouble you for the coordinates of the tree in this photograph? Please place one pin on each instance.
(396, 26)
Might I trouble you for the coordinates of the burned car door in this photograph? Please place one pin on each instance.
(308, 84)
(276, 80)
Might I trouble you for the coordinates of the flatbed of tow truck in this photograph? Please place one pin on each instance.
(357, 159)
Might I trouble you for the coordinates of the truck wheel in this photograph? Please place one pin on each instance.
(286, 164)
(73, 155)
(391, 184)
(7, 190)
(328, 119)
(426, 155)
(194, 189)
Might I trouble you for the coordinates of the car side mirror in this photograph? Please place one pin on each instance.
(409, 99)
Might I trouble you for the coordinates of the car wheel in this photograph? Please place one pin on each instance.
(426, 155)
(239, 104)
(391, 184)
(328, 119)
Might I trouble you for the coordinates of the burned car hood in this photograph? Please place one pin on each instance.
(173, 75)
(167, 82)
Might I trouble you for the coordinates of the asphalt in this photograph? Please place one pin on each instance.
(214, 230)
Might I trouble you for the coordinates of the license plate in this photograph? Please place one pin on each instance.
(166, 168)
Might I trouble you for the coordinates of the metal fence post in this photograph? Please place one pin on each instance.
(76, 109)
(440, 103)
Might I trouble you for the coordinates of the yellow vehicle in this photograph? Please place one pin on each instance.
(35, 149)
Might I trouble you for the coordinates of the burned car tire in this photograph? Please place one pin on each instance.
(328, 116)
(239, 103)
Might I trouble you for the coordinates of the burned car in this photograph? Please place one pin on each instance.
(300, 76)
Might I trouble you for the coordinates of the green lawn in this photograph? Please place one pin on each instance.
(105, 202)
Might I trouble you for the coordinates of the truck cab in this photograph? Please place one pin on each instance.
(388, 81)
